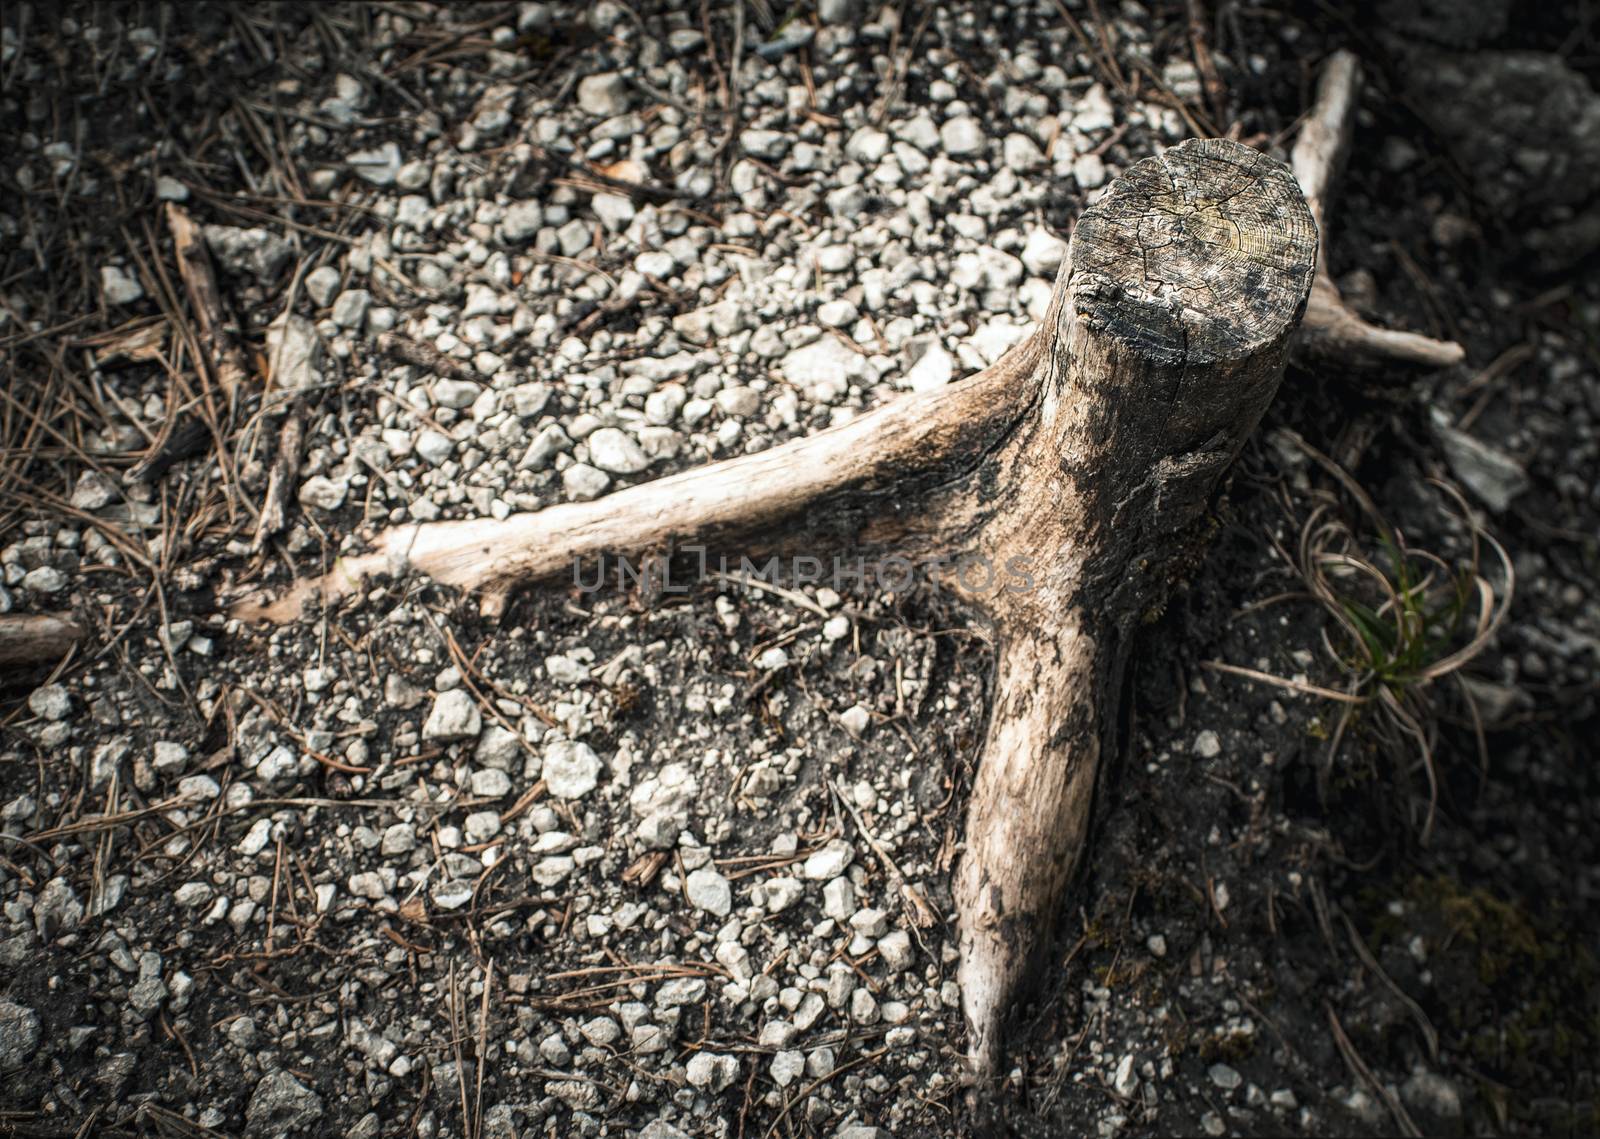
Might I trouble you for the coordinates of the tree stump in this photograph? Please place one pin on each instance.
(1076, 464)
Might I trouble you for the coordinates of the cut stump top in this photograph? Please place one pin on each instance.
(1199, 255)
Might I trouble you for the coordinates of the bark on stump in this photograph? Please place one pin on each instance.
(1084, 455)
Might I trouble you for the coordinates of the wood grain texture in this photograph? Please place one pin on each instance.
(36, 638)
(1182, 288)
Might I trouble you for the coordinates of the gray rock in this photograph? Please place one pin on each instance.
(281, 1104)
(933, 369)
(961, 137)
(380, 166)
(323, 493)
(498, 748)
(255, 252)
(50, 702)
(44, 579)
(522, 221)
(1043, 253)
(830, 861)
(583, 482)
(614, 211)
(788, 1067)
(1489, 473)
(1225, 1077)
(146, 995)
(1021, 154)
(826, 360)
(322, 284)
(93, 491)
(350, 310)
(294, 352)
(867, 146)
(839, 899)
(612, 449)
(855, 719)
(456, 394)
(117, 287)
(896, 951)
(57, 909)
(709, 891)
(492, 783)
(838, 11)
(1089, 171)
(712, 1071)
(1432, 1094)
(661, 1129)
(455, 716)
(659, 831)
(604, 95)
(767, 145)
(19, 1035)
(571, 769)
(452, 893)
(434, 446)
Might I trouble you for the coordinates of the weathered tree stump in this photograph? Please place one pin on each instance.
(1079, 461)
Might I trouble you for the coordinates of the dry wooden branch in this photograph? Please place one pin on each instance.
(280, 480)
(1332, 331)
(200, 282)
(36, 638)
(1075, 464)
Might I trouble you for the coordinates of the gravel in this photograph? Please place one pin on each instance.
(338, 851)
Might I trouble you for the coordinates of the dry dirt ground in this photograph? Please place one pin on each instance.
(620, 862)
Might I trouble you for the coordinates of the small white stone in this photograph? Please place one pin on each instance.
(788, 1067)
(50, 702)
(583, 482)
(1043, 253)
(895, 949)
(455, 716)
(491, 783)
(855, 720)
(709, 891)
(614, 211)
(379, 166)
(932, 370)
(118, 287)
(604, 95)
(1021, 154)
(839, 899)
(612, 449)
(452, 894)
(961, 136)
(322, 285)
(434, 447)
(323, 493)
(571, 769)
(830, 861)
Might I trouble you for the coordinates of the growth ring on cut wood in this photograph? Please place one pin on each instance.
(1198, 255)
